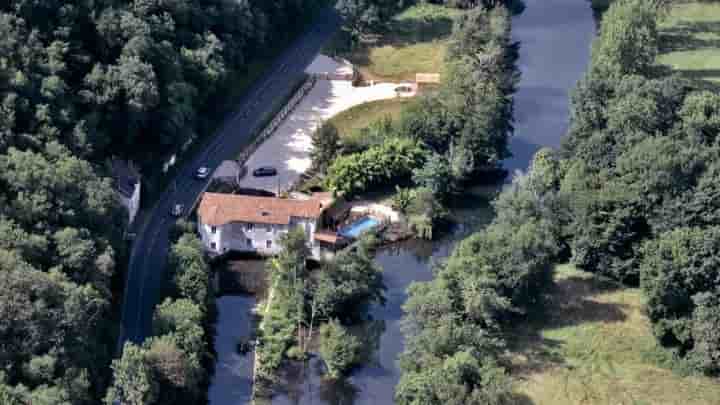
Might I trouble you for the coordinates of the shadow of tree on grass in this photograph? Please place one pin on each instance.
(571, 300)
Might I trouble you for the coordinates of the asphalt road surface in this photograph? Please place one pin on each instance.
(146, 270)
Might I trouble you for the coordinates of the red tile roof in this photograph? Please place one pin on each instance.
(220, 209)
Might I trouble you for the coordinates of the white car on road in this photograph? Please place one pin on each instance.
(202, 173)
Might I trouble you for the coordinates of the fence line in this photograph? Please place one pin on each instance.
(277, 121)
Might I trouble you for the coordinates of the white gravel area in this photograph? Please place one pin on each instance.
(288, 149)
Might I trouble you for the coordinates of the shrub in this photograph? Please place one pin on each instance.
(394, 159)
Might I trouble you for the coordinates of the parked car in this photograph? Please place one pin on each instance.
(177, 210)
(265, 171)
(202, 173)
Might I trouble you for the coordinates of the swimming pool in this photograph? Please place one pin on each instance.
(358, 227)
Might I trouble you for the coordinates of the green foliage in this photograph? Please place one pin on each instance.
(133, 381)
(190, 270)
(680, 277)
(637, 196)
(470, 118)
(287, 274)
(706, 331)
(179, 345)
(628, 40)
(424, 211)
(338, 348)
(348, 284)
(83, 82)
(183, 319)
(394, 159)
(103, 77)
(453, 325)
(177, 372)
(326, 145)
(436, 176)
(462, 378)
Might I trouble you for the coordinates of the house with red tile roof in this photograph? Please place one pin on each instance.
(243, 223)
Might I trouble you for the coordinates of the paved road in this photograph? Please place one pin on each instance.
(146, 274)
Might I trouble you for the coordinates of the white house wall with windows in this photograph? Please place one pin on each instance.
(241, 223)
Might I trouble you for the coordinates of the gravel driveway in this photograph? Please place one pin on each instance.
(288, 149)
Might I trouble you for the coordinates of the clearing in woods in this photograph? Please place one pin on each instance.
(592, 344)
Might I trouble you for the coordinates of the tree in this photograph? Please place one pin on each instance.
(436, 175)
(706, 331)
(677, 266)
(394, 159)
(338, 348)
(183, 319)
(133, 381)
(191, 273)
(326, 145)
(628, 40)
(460, 379)
(424, 212)
(476, 29)
(349, 284)
(176, 372)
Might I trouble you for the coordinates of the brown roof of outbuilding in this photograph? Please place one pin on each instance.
(220, 209)
(327, 236)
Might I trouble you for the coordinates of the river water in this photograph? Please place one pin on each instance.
(555, 37)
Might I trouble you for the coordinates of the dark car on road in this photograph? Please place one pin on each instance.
(265, 171)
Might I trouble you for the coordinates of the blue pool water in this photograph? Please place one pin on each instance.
(356, 228)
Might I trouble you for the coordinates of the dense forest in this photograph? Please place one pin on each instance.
(81, 82)
(631, 195)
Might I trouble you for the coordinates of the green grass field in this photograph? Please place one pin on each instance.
(362, 115)
(690, 40)
(414, 42)
(593, 345)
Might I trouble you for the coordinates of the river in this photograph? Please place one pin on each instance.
(555, 37)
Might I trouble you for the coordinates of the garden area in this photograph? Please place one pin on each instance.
(592, 343)
(414, 41)
(690, 40)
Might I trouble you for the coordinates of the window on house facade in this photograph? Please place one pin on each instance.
(250, 227)
(269, 228)
(268, 244)
(213, 246)
(248, 241)
(213, 229)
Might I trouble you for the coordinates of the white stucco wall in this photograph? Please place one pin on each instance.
(235, 236)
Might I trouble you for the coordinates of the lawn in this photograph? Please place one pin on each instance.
(690, 40)
(593, 345)
(414, 42)
(360, 116)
